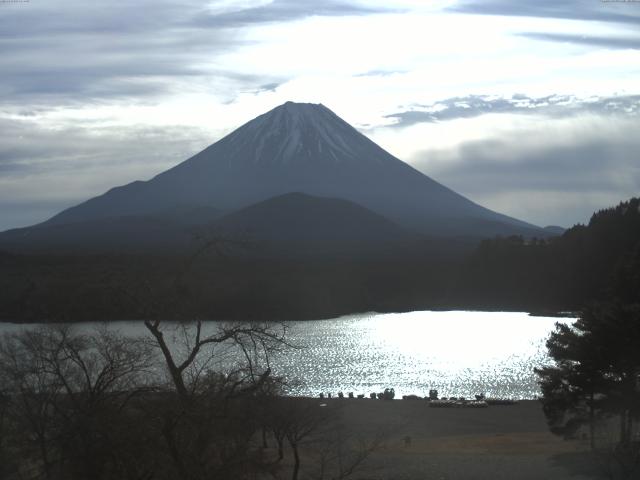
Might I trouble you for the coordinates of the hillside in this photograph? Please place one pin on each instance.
(295, 147)
(300, 225)
(588, 262)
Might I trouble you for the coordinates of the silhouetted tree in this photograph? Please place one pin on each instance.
(341, 452)
(596, 372)
(208, 415)
(300, 419)
(598, 261)
(66, 392)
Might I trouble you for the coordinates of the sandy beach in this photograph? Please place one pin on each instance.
(498, 442)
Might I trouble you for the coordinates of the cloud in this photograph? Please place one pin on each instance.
(380, 73)
(80, 81)
(606, 42)
(264, 88)
(557, 172)
(268, 87)
(90, 52)
(283, 11)
(43, 170)
(556, 106)
(602, 11)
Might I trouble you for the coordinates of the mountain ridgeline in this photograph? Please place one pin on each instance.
(297, 215)
(594, 262)
(294, 148)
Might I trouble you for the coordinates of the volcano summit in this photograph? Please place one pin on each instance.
(296, 147)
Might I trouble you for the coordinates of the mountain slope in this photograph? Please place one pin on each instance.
(133, 234)
(302, 148)
(300, 225)
(173, 229)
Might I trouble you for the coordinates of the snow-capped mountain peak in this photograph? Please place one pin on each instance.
(301, 147)
(295, 132)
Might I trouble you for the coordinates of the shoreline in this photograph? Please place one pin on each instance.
(495, 443)
(531, 313)
(412, 353)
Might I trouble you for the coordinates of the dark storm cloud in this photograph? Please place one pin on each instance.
(606, 42)
(594, 10)
(556, 106)
(88, 51)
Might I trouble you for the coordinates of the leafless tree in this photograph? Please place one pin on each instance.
(198, 351)
(64, 389)
(299, 419)
(206, 417)
(216, 371)
(93, 405)
(342, 453)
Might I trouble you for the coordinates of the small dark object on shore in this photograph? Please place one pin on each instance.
(388, 394)
(372, 396)
(361, 395)
(350, 394)
(410, 397)
(458, 404)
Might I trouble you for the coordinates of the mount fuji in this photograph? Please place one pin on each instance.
(296, 147)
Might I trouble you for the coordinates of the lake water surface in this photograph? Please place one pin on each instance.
(458, 353)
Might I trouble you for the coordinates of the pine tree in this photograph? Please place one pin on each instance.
(596, 371)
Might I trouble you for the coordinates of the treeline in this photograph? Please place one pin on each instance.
(103, 406)
(585, 264)
(563, 273)
(122, 287)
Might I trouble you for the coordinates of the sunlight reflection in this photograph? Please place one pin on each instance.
(458, 353)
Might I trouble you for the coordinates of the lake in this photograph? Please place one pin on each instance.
(458, 353)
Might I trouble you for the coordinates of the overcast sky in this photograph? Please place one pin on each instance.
(529, 108)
